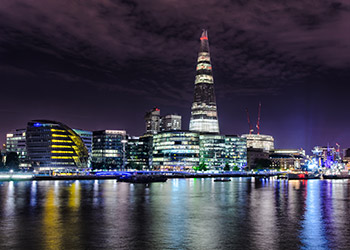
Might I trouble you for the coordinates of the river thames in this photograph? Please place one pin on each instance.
(179, 214)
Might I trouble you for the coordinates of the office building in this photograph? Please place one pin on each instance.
(204, 116)
(108, 149)
(86, 137)
(287, 158)
(16, 142)
(257, 158)
(175, 150)
(258, 141)
(152, 119)
(212, 150)
(137, 153)
(236, 151)
(52, 145)
(170, 122)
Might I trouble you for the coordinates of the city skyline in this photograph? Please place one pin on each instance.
(105, 68)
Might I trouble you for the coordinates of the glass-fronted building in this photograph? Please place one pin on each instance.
(86, 137)
(137, 153)
(16, 142)
(212, 150)
(108, 149)
(52, 145)
(175, 150)
(236, 151)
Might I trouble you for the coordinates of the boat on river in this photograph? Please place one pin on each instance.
(302, 175)
(142, 178)
(222, 179)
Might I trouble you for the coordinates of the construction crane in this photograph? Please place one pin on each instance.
(258, 122)
(250, 126)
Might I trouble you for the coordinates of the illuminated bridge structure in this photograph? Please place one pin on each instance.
(53, 145)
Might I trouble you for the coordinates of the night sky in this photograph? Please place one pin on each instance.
(101, 64)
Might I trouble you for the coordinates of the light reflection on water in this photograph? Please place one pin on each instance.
(245, 213)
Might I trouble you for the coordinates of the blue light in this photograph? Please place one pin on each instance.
(37, 124)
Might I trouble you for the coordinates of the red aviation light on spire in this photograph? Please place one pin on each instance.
(204, 38)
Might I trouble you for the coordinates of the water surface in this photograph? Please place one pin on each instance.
(179, 214)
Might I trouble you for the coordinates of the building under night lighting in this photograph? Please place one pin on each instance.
(16, 142)
(204, 116)
(137, 154)
(152, 119)
(287, 158)
(257, 141)
(236, 151)
(212, 150)
(108, 149)
(170, 122)
(175, 150)
(54, 146)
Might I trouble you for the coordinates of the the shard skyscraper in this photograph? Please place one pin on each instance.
(204, 117)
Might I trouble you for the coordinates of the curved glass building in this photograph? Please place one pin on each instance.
(52, 145)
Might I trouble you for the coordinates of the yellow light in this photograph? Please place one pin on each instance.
(57, 135)
(62, 152)
(61, 146)
(57, 130)
(65, 141)
(61, 157)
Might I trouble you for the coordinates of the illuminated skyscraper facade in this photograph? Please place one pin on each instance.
(204, 116)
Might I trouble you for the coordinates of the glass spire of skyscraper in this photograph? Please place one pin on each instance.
(204, 116)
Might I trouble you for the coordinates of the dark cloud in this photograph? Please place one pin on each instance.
(144, 52)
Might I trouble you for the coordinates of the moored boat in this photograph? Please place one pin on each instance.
(222, 179)
(145, 178)
(302, 175)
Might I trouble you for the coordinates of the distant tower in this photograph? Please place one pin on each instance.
(152, 119)
(204, 116)
(170, 122)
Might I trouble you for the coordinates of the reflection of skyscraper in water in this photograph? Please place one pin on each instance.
(204, 116)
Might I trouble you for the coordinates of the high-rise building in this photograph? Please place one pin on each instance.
(170, 122)
(152, 119)
(236, 151)
(175, 150)
(204, 116)
(16, 142)
(108, 149)
(54, 146)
